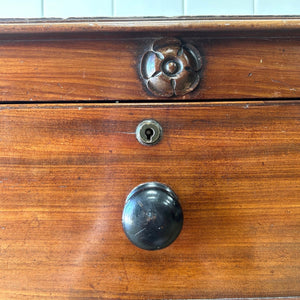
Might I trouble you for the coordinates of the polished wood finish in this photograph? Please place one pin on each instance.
(100, 59)
(284, 25)
(65, 171)
(71, 70)
(170, 68)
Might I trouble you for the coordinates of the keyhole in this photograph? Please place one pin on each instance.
(149, 132)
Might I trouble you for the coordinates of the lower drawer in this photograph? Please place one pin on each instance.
(65, 172)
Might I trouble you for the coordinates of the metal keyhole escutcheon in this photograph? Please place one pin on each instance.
(149, 132)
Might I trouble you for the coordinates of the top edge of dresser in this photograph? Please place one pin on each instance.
(150, 24)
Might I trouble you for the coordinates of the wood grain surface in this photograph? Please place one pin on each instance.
(277, 24)
(57, 68)
(65, 171)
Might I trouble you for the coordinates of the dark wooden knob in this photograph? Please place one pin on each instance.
(171, 68)
(152, 216)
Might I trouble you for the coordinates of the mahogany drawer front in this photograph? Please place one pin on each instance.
(66, 170)
(98, 61)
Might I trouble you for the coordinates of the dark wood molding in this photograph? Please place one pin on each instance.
(179, 24)
(171, 68)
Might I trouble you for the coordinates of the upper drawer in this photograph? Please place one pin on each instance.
(101, 60)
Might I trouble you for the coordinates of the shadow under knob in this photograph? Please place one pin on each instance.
(152, 216)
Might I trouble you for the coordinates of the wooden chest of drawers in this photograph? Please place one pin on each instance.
(72, 95)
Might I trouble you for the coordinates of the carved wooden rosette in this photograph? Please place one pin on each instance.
(171, 68)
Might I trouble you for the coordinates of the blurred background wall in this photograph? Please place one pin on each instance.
(130, 8)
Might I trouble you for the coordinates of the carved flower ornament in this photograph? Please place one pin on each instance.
(171, 68)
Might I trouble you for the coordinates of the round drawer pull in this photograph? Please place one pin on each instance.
(171, 68)
(152, 216)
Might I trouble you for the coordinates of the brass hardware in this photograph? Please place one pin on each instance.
(149, 132)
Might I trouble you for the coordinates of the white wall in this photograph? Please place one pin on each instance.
(128, 8)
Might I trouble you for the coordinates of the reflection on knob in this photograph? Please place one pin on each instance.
(152, 216)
